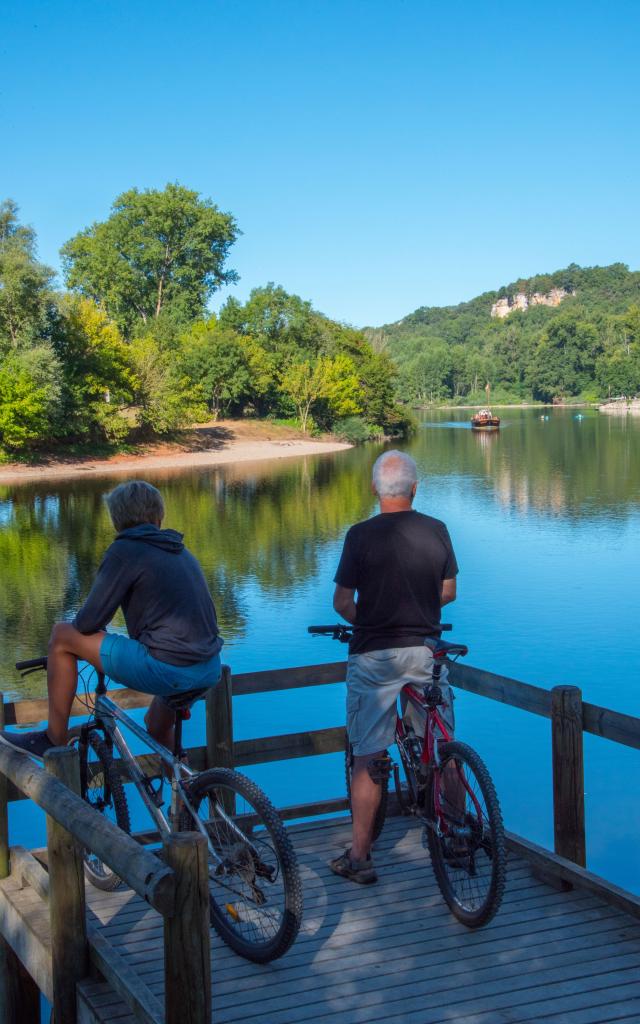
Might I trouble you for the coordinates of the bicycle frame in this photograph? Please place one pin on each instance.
(429, 755)
(107, 715)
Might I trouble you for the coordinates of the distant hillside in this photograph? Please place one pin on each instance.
(572, 333)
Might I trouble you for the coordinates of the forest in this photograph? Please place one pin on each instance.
(586, 348)
(128, 349)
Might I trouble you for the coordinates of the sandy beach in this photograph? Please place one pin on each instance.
(226, 442)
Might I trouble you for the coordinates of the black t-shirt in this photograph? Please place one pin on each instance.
(397, 562)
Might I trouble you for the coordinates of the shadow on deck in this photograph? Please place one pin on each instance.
(393, 953)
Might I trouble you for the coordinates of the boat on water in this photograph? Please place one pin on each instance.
(485, 420)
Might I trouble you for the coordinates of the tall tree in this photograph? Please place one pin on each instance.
(25, 284)
(158, 252)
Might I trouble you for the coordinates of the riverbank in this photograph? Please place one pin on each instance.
(213, 444)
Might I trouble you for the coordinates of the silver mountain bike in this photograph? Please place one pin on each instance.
(254, 883)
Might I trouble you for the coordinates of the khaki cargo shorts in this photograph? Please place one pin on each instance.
(374, 681)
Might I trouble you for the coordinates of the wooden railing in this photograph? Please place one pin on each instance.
(173, 886)
(570, 718)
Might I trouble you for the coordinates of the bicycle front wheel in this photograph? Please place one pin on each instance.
(103, 790)
(254, 884)
(465, 835)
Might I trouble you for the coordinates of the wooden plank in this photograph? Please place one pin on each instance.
(137, 867)
(19, 994)
(104, 957)
(568, 774)
(289, 678)
(27, 929)
(219, 721)
(139, 999)
(501, 688)
(611, 725)
(612, 894)
(281, 748)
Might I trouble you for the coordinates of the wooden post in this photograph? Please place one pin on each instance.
(568, 774)
(19, 994)
(220, 723)
(69, 949)
(4, 811)
(187, 942)
(220, 731)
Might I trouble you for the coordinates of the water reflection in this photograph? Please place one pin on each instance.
(262, 529)
(559, 464)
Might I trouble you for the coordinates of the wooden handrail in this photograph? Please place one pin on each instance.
(604, 722)
(145, 874)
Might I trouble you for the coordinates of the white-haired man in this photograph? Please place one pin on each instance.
(402, 566)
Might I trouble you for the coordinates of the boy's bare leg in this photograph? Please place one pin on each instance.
(160, 722)
(65, 647)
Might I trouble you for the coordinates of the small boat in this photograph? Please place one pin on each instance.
(485, 420)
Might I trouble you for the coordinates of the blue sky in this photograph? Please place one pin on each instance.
(378, 156)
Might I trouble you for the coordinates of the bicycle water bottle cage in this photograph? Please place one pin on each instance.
(433, 695)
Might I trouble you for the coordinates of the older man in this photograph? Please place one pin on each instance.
(173, 643)
(402, 566)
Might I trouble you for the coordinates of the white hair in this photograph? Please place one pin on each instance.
(394, 475)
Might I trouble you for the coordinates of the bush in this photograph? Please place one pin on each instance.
(355, 430)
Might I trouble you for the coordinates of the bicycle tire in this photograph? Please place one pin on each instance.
(381, 813)
(97, 872)
(482, 854)
(235, 922)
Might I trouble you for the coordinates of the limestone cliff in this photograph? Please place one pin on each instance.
(520, 300)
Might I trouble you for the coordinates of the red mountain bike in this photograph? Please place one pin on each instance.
(449, 789)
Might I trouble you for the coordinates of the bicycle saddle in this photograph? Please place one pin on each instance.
(181, 701)
(443, 649)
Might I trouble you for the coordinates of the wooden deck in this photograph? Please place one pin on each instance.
(387, 953)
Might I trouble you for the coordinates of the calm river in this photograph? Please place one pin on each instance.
(544, 518)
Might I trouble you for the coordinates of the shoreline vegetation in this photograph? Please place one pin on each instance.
(130, 350)
(225, 442)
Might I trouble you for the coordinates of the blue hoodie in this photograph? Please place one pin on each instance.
(163, 594)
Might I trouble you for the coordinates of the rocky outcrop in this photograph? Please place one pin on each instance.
(520, 300)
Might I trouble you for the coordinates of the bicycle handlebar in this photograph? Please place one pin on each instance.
(344, 631)
(32, 665)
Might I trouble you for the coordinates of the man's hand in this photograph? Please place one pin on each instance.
(448, 591)
(344, 604)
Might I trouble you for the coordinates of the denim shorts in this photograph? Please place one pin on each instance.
(374, 682)
(128, 662)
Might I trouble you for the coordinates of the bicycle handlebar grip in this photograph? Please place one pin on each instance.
(321, 630)
(32, 663)
(445, 627)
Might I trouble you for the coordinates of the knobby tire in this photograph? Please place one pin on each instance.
(454, 883)
(227, 785)
(96, 871)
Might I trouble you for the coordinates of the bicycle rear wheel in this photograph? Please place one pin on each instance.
(381, 813)
(254, 884)
(465, 835)
(103, 790)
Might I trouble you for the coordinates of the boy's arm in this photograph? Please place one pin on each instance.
(105, 597)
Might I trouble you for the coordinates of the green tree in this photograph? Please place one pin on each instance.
(97, 375)
(25, 284)
(215, 361)
(30, 384)
(564, 360)
(158, 251)
(164, 396)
